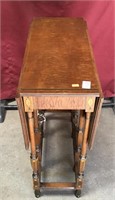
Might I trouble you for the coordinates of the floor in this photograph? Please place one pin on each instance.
(15, 169)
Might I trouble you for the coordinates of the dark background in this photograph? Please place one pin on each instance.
(16, 17)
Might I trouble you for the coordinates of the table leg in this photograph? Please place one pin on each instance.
(34, 155)
(38, 135)
(81, 153)
(74, 120)
(42, 120)
(77, 140)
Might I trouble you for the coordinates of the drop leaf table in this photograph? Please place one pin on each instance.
(59, 73)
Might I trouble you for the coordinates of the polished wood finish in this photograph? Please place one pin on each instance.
(56, 46)
(59, 102)
(58, 59)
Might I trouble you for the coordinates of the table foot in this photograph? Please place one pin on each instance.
(78, 193)
(37, 193)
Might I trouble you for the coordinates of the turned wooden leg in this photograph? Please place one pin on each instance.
(79, 136)
(38, 139)
(75, 125)
(75, 122)
(42, 120)
(82, 156)
(34, 156)
(78, 139)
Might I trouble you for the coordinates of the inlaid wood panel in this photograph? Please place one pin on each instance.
(59, 103)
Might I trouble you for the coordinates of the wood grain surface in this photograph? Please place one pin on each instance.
(57, 57)
(59, 103)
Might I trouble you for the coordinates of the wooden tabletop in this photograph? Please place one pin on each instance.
(59, 58)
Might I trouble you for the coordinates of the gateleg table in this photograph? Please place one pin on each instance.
(59, 73)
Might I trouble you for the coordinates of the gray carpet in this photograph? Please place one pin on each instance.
(15, 169)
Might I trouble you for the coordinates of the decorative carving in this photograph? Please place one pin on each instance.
(28, 104)
(59, 102)
(90, 102)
